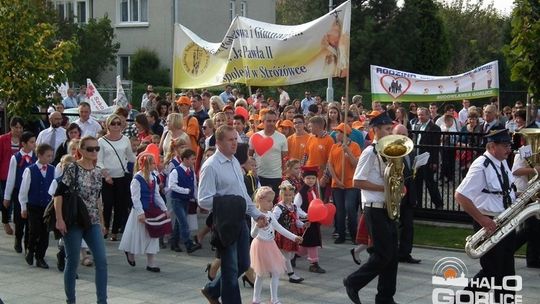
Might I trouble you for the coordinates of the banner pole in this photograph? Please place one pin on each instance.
(173, 95)
(345, 122)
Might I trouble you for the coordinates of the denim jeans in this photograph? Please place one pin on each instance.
(72, 244)
(346, 201)
(234, 262)
(181, 227)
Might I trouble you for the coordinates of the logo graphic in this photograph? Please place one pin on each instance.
(395, 86)
(195, 59)
(450, 271)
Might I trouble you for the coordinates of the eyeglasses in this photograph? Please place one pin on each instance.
(116, 123)
(92, 149)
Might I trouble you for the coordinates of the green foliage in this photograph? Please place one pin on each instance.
(32, 60)
(97, 49)
(145, 68)
(524, 50)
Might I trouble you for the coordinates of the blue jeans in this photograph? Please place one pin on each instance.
(72, 244)
(346, 201)
(181, 227)
(234, 262)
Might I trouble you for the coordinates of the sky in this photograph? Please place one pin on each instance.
(503, 6)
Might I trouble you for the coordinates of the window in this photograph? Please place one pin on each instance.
(133, 11)
(232, 9)
(81, 12)
(243, 8)
(76, 11)
(124, 66)
(61, 7)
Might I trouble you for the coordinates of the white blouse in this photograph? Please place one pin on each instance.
(267, 233)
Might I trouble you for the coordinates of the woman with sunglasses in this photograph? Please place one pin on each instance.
(115, 158)
(87, 179)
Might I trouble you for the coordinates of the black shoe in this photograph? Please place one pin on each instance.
(193, 247)
(339, 240)
(42, 264)
(357, 261)
(61, 260)
(29, 258)
(409, 259)
(18, 246)
(246, 279)
(314, 267)
(131, 263)
(153, 269)
(208, 297)
(294, 278)
(207, 270)
(351, 292)
(176, 248)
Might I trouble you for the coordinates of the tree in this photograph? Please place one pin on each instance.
(145, 68)
(32, 60)
(97, 49)
(524, 51)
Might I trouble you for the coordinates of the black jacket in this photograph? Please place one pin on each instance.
(429, 139)
(229, 212)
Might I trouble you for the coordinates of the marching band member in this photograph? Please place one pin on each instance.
(485, 192)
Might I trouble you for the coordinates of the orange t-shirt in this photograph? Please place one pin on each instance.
(318, 150)
(336, 160)
(191, 127)
(297, 146)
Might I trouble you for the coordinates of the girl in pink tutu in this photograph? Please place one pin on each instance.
(266, 259)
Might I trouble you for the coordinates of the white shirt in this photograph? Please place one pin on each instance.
(480, 177)
(522, 181)
(12, 171)
(268, 233)
(269, 164)
(25, 185)
(108, 160)
(462, 116)
(172, 183)
(135, 188)
(45, 137)
(89, 128)
(284, 98)
(370, 168)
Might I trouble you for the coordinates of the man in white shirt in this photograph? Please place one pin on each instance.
(225, 95)
(383, 259)
(89, 126)
(284, 98)
(485, 192)
(464, 113)
(54, 135)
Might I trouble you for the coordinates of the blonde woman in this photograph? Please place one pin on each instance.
(216, 106)
(175, 124)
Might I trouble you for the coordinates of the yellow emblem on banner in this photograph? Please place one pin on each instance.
(195, 60)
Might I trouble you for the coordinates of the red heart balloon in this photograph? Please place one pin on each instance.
(316, 212)
(261, 144)
(329, 220)
(242, 111)
(317, 201)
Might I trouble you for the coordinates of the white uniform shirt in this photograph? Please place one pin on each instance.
(45, 137)
(268, 233)
(25, 185)
(481, 177)
(89, 128)
(520, 181)
(172, 182)
(370, 167)
(12, 171)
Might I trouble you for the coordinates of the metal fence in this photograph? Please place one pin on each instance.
(456, 152)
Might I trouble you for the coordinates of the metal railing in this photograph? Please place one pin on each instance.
(455, 153)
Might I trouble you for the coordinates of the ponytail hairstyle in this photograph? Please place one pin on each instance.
(144, 160)
(172, 152)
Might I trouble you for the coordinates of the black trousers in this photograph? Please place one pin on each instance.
(5, 211)
(272, 183)
(530, 235)
(116, 197)
(496, 263)
(39, 236)
(21, 224)
(425, 173)
(383, 258)
(406, 230)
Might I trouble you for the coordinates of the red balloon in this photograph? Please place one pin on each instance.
(329, 220)
(242, 111)
(317, 201)
(261, 144)
(316, 211)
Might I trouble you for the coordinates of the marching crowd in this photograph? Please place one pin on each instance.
(252, 163)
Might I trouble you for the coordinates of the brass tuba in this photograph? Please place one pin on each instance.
(394, 148)
(525, 206)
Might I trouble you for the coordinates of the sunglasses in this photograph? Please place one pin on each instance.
(92, 149)
(116, 123)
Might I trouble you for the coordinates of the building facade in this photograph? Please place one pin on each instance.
(150, 23)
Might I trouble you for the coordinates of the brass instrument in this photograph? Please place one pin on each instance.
(525, 206)
(394, 148)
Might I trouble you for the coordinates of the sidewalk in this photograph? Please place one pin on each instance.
(182, 277)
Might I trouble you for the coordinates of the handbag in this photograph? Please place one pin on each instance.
(157, 222)
(127, 174)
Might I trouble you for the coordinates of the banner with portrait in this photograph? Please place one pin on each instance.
(394, 85)
(264, 54)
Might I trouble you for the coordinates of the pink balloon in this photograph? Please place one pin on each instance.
(329, 220)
